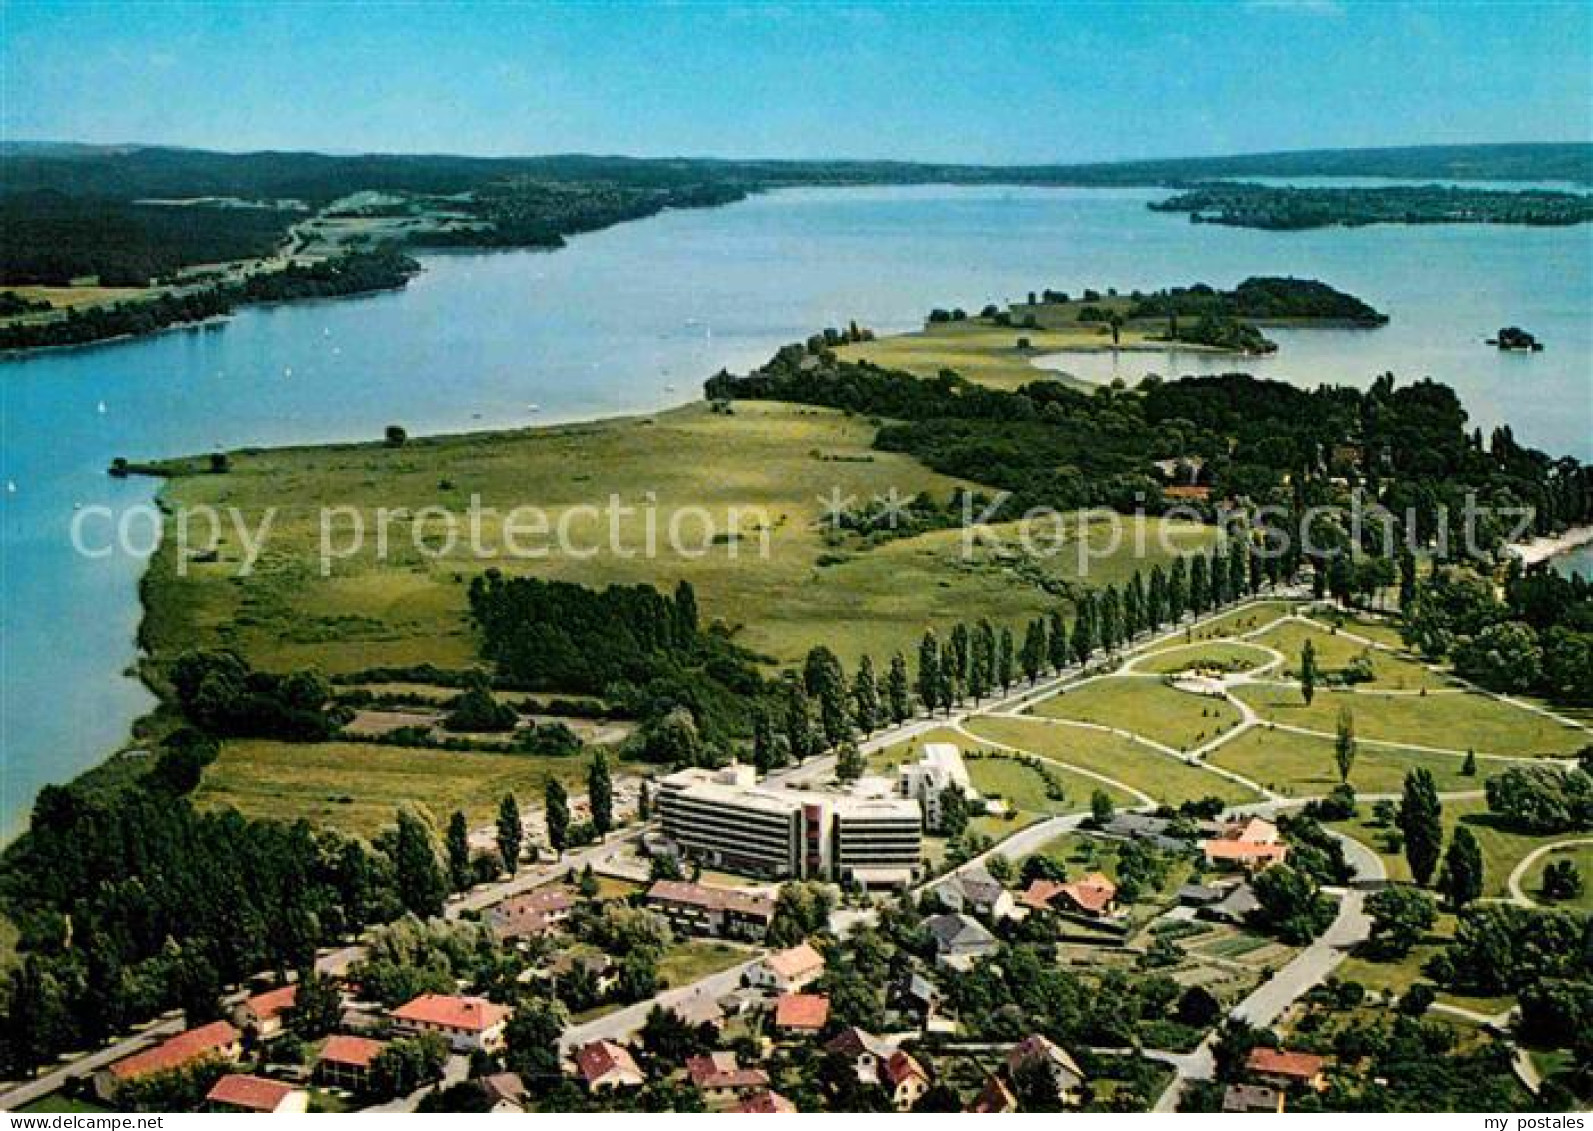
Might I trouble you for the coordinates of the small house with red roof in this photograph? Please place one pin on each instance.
(904, 1078)
(766, 1103)
(531, 915)
(257, 1095)
(605, 1066)
(786, 970)
(345, 1062)
(219, 1040)
(995, 1098)
(1251, 844)
(1039, 1050)
(265, 1015)
(801, 1013)
(466, 1023)
(1284, 1069)
(718, 1077)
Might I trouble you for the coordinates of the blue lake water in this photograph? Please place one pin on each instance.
(634, 318)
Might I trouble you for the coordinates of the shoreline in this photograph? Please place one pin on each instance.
(1539, 550)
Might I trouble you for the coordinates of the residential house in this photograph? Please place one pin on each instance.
(917, 993)
(1199, 895)
(240, 1093)
(766, 1103)
(265, 1014)
(697, 909)
(530, 915)
(345, 1062)
(960, 940)
(1093, 897)
(1157, 831)
(977, 892)
(1252, 1098)
(1251, 844)
(718, 1077)
(605, 1066)
(801, 1013)
(1064, 1070)
(505, 1091)
(219, 1040)
(1236, 907)
(786, 970)
(700, 1009)
(1283, 1069)
(866, 1052)
(467, 1023)
(995, 1098)
(905, 1079)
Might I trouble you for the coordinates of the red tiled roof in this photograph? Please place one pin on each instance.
(799, 960)
(711, 898)
(597, 1059)
(1039, 894)
(472, 1014)
(995, 1098)
(357, 1052)
(270, 1004)
(766, 1103)
(176, 1052)
(901, 1066)
(1277, 1062)
(1187, 491)
(719, 1070)
(801, 1011)
(1224, 849)
(1093, 893)
(253, 1092)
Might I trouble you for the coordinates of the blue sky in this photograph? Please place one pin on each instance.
(968, 82)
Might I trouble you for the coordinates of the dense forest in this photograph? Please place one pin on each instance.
(52, 238)
(1259, 298)
(1290, 209)
(1266, 442)
(358, 272)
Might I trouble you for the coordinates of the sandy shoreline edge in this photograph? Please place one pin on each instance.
(1542, 549)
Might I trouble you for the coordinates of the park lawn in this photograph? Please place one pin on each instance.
(1335, 651)
(1219, 655)
(1245, 619)
(1582, 856)
(687, 962)
(358, 787)
(1301, 765)
(980, 351)
(1501, 848)
(1145, 706)
(1023, 788)
(1382, 631)
(1396, 976)
(1454, 721)
(1160, 775)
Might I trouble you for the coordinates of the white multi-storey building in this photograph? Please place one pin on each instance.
(926, 780)
(867, 834)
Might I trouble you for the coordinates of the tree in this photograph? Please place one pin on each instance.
(1468, 768)
(532, 1043)
(1056, 641)
(407, 1064)
(1505, 657)
(556, 801)
(825, 682)
(1344, 744)
(1308, 672)
(511, 833)
(418, 866)
(898, 690)
(1006, 665)
(1461, 880)
(644, 798)
(458, 851)
(1421, 823)
(1401, 918)
(1292, 907)
(1101, 807)
(849, 762)
(953, 811)
(1034, 650)
(929, 678)
(1543, 799)
(395, 436)
(317, 1006)
(600, 794)
(865, 697)
(1562, 880)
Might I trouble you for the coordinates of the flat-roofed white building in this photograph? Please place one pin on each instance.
(867, 833)
(928, 778)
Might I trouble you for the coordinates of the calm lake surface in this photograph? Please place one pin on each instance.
(635, 317)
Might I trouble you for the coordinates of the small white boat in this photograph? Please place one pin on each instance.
(533, 407)
(287, 371)
(669, 388)
(102, 410)
(11, 486)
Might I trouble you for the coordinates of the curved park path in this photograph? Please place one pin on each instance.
(1518, 874)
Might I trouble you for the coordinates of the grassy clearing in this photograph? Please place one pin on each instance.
(358, 787)
(1502, 849)
(979, 351)
(1382, 631)
(1221, 655)
(911, 750)
(767, 464)
(57, 1103)
(67, 298)
(1242, 620)
(1145, 706)
(687, 962)
(1582, 857)
(1299, 765)
(1461, 721)
(1161, 776)
(1397, 976)
(1335, 651)
(1082, 854)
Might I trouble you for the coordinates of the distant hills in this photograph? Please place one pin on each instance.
(128, 172)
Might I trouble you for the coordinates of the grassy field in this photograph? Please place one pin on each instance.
(358, 787)
(1335, 651)
(59, 1104)
(1221, 655)
(1398, 975)
(1299, 765)
(1502, 849)
(1160, 775)
(1242, 620)
(687, 962)
(67, 298)
(770, 463)
(1582, 857)
(1460, 721)
(1145, 706)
